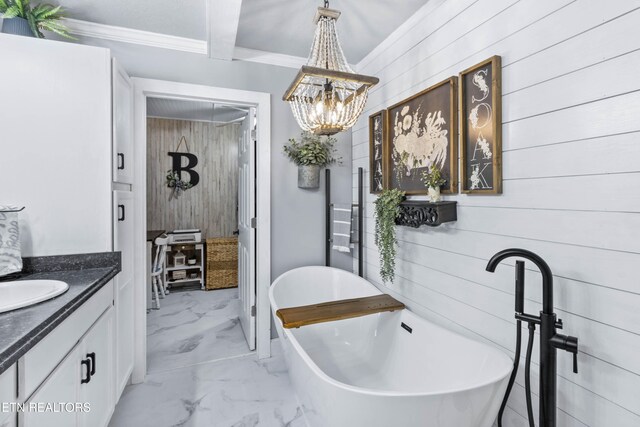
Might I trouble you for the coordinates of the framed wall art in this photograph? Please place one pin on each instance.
(377, 136)
(422, 131)
(481, 128)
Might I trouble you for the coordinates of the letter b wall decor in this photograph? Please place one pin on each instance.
(192, 162)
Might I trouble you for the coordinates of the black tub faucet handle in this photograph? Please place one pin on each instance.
(519, 286)
(567, 343)
(572, 346)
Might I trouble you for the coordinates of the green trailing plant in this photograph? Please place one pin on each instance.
(41, 17)
(387, 209)
(312, 150)
(433, 177)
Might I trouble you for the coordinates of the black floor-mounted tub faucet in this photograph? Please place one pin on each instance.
(550, 340)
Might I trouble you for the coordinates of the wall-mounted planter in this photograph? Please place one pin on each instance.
(417, 213)
(309, 176)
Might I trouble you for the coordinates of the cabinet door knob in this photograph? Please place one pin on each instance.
(87, 377)
(120, 161)
(92, 359)
(121, 213)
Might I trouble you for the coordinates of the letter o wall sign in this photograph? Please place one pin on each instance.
(192, 162)
(481, 128)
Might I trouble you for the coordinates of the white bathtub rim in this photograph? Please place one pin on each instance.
(375, 392)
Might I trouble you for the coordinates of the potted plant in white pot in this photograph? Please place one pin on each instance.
(312, 153)
(433, 180)
(20, 18)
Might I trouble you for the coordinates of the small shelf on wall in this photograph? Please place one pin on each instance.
(415, 213)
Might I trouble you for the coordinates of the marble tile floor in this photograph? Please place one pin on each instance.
(193, 327)
(220, 385)
(236, 392)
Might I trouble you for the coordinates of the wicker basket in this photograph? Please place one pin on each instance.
(222, 263)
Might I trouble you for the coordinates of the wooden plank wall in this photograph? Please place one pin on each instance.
(212, 204)
(571, 109)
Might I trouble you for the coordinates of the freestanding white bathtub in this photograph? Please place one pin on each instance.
(384, 370)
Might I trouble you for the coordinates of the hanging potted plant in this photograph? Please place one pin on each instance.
(312, 153)
(20, 18)
(433, 180)
(387, 209)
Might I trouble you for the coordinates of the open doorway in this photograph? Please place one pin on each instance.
(199, 159)
(187, 134)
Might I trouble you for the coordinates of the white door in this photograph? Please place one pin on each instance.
(123, 289)
(247, 237)
(122, 125)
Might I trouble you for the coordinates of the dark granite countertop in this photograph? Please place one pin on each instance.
(22, 329)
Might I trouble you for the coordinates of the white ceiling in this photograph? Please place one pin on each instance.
(194, 110)
(280, 26)
(286, 26)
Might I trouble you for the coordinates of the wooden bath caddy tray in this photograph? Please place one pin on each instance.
(295, 317)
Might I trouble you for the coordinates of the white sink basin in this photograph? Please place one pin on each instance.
(23, 293)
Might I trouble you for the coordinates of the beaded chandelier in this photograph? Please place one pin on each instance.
(326, 96)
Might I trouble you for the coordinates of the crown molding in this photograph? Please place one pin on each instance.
(271, 58)
(164, 41)
(128, 35)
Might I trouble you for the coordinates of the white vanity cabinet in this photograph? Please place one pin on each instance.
(123, 289)
(56, 137)
(8, 395)
(122, 120)
(82, 107)
(61, 386)
(123, 229)
(84, 375)
(96, 382)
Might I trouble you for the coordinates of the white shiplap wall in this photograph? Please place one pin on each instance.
(571, 154)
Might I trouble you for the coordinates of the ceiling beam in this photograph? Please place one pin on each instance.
(145, 38)
(223, 17)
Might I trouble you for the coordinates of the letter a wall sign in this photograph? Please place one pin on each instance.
(481, 128)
